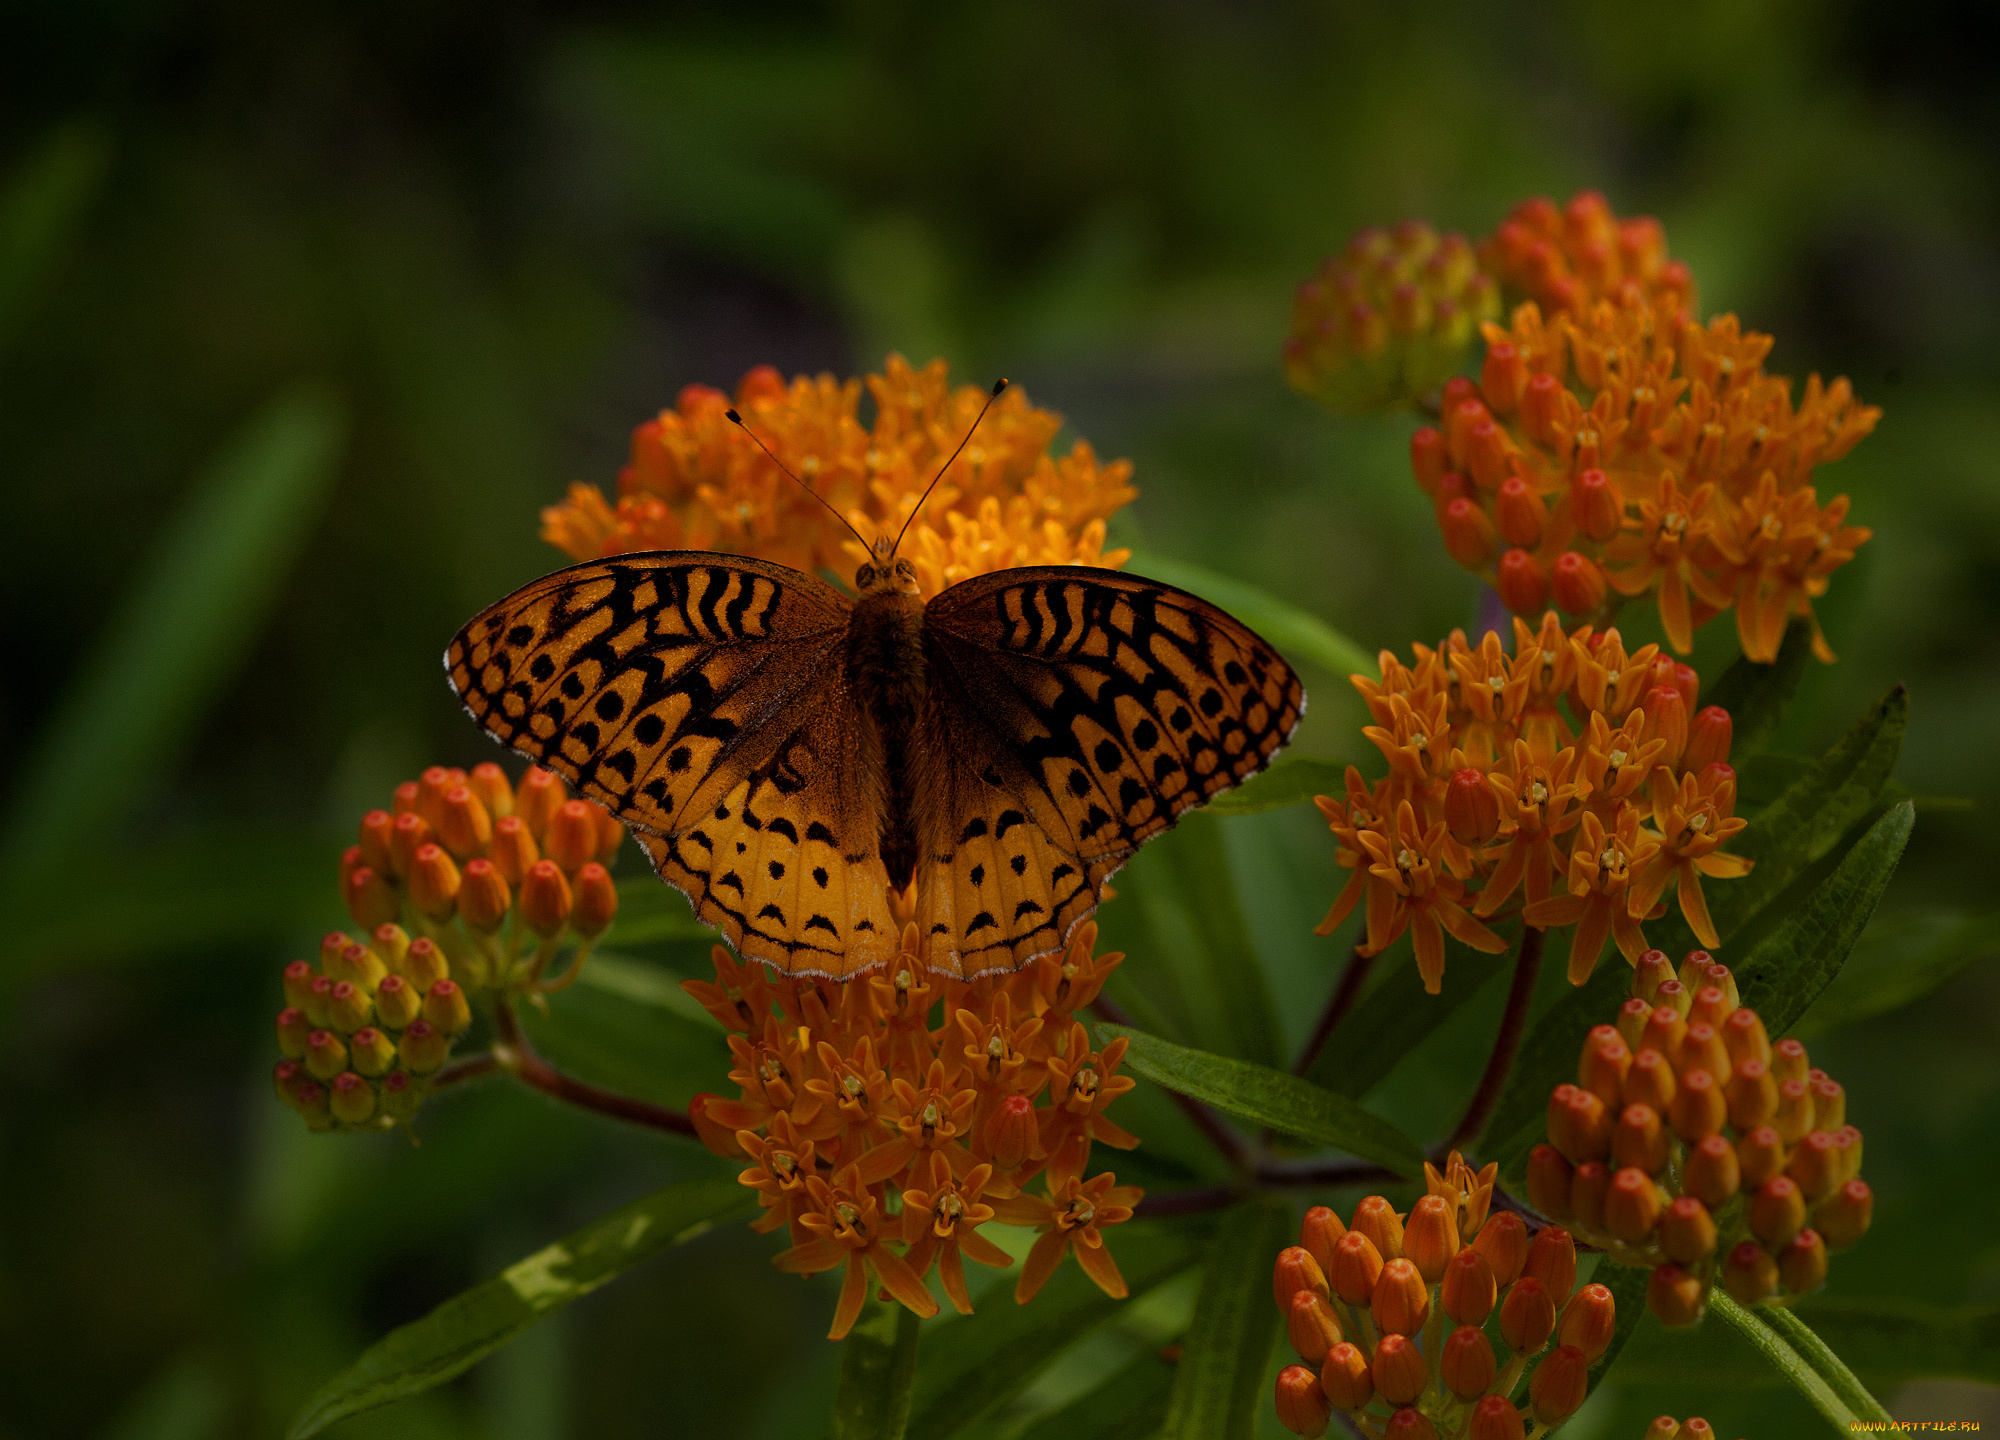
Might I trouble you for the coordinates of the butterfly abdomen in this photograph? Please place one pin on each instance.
(885, 672)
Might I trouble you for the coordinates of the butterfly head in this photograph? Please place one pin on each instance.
(885, 574)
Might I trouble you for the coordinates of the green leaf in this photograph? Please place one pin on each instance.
(1298, 634)
(629, 1025)
(1756, 695)
(1887, 1341)
(1801, 826)
(184, 625)
(1795, 962)
(1627, 1284)
(649, 909)
(40, 205)
(878, 1360)
(1897, 961)
(469, 1327)
(1804, 1360)
(1191, 901)
(1131, 1405)
(1289, 782)
(975, 1363)
(1262, 1096)
(1221, 1370)
(1397, 1016)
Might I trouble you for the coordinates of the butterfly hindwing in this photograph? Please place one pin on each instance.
(1096, 708)
(698, 697)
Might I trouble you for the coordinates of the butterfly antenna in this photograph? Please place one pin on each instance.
(737, 421)
(998, 386)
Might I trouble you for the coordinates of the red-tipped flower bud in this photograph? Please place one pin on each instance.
(1495, 1418)
(434, 882)
(1551, 1259)
(1577, 583)
(1522, 582)
(463, 825)
(1399, 1369)
(371, 1052)
(1579, 1126)
(1674, 1295)
(1639, 1140)
(1699, 1107)
(348, 1007)
(1295, 1270)
(1588, 1320)
(409, 834)
(1559, 1384)
(1748, 1274)
(1311, 1326)
(1595, 504)
(1432, 1237)
(423, 1047)
(369, 899)
(1759, 1155)
(1400, 1302)
(1357, 1264)
(1632, 1208)
(1527, 1316)
(545, 898)
(1777, 1211)
(1802, 1264)
(326, 1055)
(1303, 1407)
(1345, 1379)
(536, 800)
(1319, 1231)
(352, 1099)
(1589, 1188)
(1471, 809)
(1687, 1230)
(293, 1031)
(446, 1008)
(596, 901)
(424, 964)
(571, 838)
(1466, 1365)
(483, 897)
(1468, 1292)
(1377, 1219)
(1503, 1240)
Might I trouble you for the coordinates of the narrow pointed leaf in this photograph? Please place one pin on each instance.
(1300, 635)
(41, 201)
(1899, 960)
(1756, 695)
(466, 1329)
(1260, 1095)
(1886, 1342)
(1131, 1405)
(1289, 782)
(185, 623)
(1804, 1360)
(1220, 1376)
(628, 1025)
(878, 1360)
(1397, 1016)
(1192, 896)
(1627, 1284)
(974, 1364)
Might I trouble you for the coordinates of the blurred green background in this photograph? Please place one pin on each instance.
(369, 283)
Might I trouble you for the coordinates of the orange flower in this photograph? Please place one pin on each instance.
(848, 1228)
(942, 1221)
(1072, 1217)
(1600, 872)
(1535, 810)
(698, 481)
(1694, 819)
(1413, 895)
(1081, 1084)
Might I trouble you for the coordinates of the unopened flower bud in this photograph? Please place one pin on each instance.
(319, 1001)
(1518, 512)
(1711, 1172)
(1587, 1321)
(1578, 1124)
(369, 899)
(1753, 1095)
(1303, 1407)
(1829, 1104)
(1794, 1113)
(1522, 582)
(1815, 1165)
(1789, 1060)
(1699, 1107)
(1687, 1231)
(1576, 583)
(571, 838)
(1549, 1180)
(1639, 1140)
(1469, 537)
(1495, 1418)
(431, 788)
(463, 827)
(1295, 1270)
(434, 881)
(1527, 1316)
(1632, 1208)
(1589, 1188)
(1748, 1274)
(1665, 1027)
(370, 1051)
(1595, 504)
(397, 1002)
(1503, 1240)
(1428, 461)
(357, 963)
(424, 964)
(513, 849)
(352, 1099)
(1468, 1292)
(348, 1008)
(1552, 1260)
(1743, 1036)
(1011, 1136)
(1651, 1082)
(1310, 1325)
(1409, 1423)
(287, 1076)
(1652, 971)
(1708, 740)
(1466, 1363)
(1632, 1017)
(326, 1055)
(1399, 1369)
(1847, 1143)
(293, 1030)
(1777, 1211)
(1432, 1237)
(1471, 809)
(1802, 1264)
(398, 1095)
(423, 1047)
(1602, 1068)
(1702, 1047)
(1319, 1231)
(545, 898)
(1344, 1378)
(377, 826)
(483, 896)
(445, 1007)
(596, 901)
(1674, 1295)
(1844, 1216)
(298, 983)
(410, 833)
(536, 800)
(390, 943)
(1400, 1302)
(1559, 1384)
(489, 783)
(1357, 1265)
(1376, 1218)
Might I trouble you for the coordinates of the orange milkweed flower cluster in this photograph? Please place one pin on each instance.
(697, 481)
(1572, 772)
(1387, 319)
(1569, 259)
(905, 1084)
(466, 884)
(1629, 449)
(1389, 1315)
(1694, 1146)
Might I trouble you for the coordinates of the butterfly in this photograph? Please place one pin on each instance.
(786, 755)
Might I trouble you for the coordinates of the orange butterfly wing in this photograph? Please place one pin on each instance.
(700, 698)
(1071, 715)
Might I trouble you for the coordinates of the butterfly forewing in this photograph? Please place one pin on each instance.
(1072, 715)
(700, 698)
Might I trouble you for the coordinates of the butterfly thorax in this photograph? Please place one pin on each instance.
(885, 672)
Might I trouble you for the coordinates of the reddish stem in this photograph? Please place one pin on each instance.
(518, 1057)
(1337, 1005)
(1206, 1120)
(1513, 1022)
